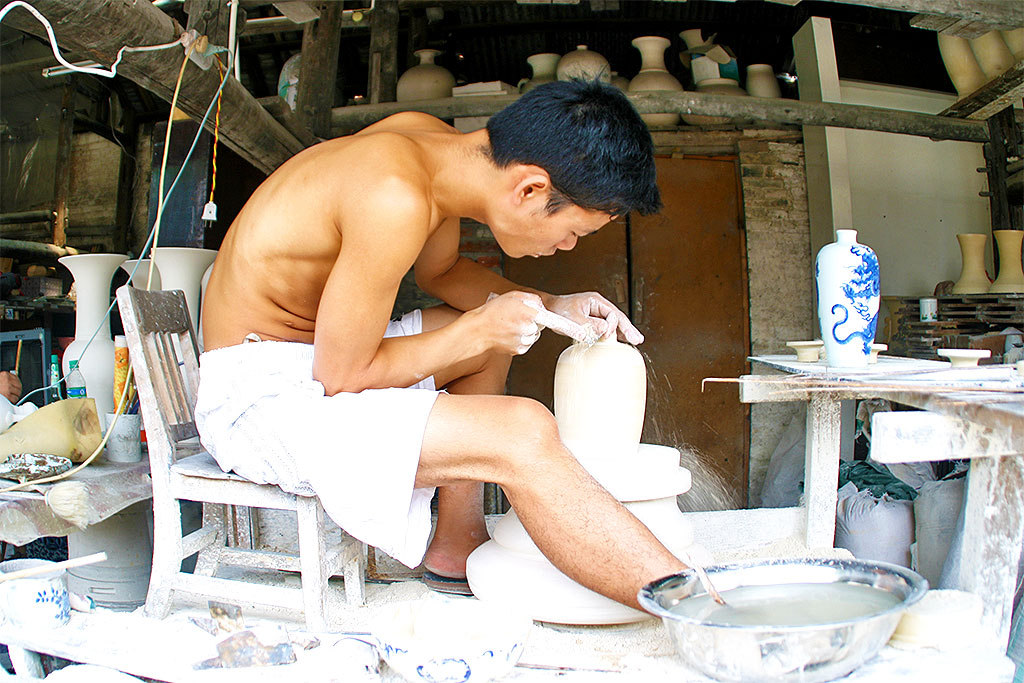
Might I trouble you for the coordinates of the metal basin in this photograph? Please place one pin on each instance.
(763, 654)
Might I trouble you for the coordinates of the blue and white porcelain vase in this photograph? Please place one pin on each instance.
(846, 274)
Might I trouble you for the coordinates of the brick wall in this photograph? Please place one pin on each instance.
(779, 268)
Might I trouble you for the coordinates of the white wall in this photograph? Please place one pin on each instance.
(910, 195)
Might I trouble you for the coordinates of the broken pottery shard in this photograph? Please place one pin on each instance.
(227, 616)
(244, 649)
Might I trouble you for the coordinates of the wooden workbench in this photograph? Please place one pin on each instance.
(975, 414)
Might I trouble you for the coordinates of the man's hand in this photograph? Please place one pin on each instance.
(590, 308)
(509, 322)
(10, 386)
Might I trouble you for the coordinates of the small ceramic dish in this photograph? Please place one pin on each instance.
(875, 350)
(450, 639)
(964, 358)
(807, 351)
(24, 467)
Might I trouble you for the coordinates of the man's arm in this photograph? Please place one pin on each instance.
(379, 244)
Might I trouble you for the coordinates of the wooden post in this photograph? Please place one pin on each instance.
(321, 41)
(209, 18)
(383, 77)
(1003, 143)
(62, 166)
(821, 469)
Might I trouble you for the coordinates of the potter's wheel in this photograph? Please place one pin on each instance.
(509, 568)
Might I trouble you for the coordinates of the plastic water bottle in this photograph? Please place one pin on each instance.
(75, 382)
(53, 392)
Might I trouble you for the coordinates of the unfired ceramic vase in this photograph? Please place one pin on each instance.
(1010, 279)
(961, 64)
(1015, 41)
(92, 273)
(543, 66)
(585, 64)
(141, 278)
(654, 76)
(761, 81)
(182, 268)
(973, 278)
(993, 55)
(426, 80)
(620, 81)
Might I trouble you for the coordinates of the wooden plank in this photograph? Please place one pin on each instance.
(1004, 144)
(993, 531)
(994, 96)
(383, 76)
(62, 164)
(98, 31)
(321, 42)
(346, 120)
(919, 436)
(995, 14)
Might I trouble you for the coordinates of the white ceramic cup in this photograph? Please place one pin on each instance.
(34, 602)
(125, 443)
(929, 310)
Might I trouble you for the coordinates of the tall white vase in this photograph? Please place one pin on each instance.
(1010, 279)
(93, 273)
(426, 80)
(182, 268)
(973, 278)
(993, 54)
(961, 64)
(543, 65)
(761, 81)
(654, 76)
(141, 278)
(846, 274)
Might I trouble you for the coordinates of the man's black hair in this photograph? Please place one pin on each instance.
(590, 140)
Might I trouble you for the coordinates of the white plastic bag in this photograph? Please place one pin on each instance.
(936, 511)
(872, 528)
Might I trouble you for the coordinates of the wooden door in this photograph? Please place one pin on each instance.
(681, 276)
(689, 278)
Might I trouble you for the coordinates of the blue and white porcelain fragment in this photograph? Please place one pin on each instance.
(846, 274)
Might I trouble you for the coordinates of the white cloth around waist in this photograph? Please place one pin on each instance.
(261, 414)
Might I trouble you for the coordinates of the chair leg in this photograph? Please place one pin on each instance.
(166, 557)
(213, 515)
(313, 561)
(355, 576)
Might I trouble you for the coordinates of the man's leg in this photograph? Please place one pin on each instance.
(575, 522)
(460, 525)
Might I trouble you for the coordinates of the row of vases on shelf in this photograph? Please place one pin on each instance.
(973, 276)
(971, 63)
(713, 68)
(183, 268)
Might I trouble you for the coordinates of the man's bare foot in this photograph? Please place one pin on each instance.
(447, 553)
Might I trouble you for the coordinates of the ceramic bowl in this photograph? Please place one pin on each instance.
(781, 653)
(807, 351)
(450, 640)
(964, 358)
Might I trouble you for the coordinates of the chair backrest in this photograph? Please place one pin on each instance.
(165, 360)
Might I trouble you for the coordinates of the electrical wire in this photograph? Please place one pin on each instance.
(151, 239)
(216, 138)
(95, 71)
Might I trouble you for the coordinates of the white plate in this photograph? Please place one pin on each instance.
(31, 466)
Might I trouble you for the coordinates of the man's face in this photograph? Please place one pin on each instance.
(542, 234)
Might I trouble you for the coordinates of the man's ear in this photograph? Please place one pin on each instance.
(532, 183)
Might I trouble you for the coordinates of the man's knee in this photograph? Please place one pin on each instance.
(528, 436)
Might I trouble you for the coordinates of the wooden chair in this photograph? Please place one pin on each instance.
(165, 360)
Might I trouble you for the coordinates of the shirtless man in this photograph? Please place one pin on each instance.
(315, 260)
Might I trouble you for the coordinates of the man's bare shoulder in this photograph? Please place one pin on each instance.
(409, 121)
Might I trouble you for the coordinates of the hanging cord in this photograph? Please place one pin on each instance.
(152, 233)
(120, 407)
(216, 135)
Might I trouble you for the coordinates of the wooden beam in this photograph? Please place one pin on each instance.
(98, 29)
(209, 18)
(1003, 145)
(383, 76)
(993, 14)
(321, 42)
(346, 120)
(993, 97)
(62, 164)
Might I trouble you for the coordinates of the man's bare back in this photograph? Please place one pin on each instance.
(275, 261)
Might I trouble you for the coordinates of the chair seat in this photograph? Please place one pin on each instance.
(204, 466)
